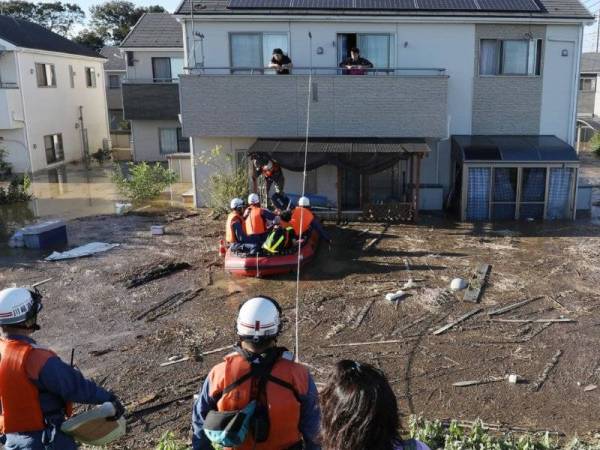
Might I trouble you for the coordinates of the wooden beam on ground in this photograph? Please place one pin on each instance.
(477, 283)
(358, 344)
(504, 309)
(547, 369)
(534, 320)
(457, 321)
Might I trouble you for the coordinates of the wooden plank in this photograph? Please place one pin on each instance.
(477, 382)
(504, 309)
(534, 320)
(457, 321)
(477, 283)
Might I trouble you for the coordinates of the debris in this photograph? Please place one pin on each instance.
(373, 241)
(477, 283)
(217, 350)
(397, 331)
(168, 304)
(513, 378)
(84, 250)
(158, 407)
(39, 283)
(122, 208)
(362, 314)
(358, 344)
(395, 296)
(157, 230)
(175, 361)
(101, 352)
(477, 382)
(498, 427)
(590, 387)
(544, 376)
(410, 284)
(457, 321)
(504, 309)
(533, 320)
(162, 270)
(458, 284)
(51, 233)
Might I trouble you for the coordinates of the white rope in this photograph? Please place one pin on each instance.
(297, 343)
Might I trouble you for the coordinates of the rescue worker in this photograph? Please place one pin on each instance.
(256, 218)
(37, 389)
(234, 228)
(273, 175)
(303, 221)
(260, 378)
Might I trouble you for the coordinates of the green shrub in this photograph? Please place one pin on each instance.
(17, 191)
(169, 442)
(595, 144)
(145, 181)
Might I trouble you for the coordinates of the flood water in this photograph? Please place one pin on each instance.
(67, 192)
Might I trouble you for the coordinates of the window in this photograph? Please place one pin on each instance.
(114, 81)
(46, 76)
(377, 48)
(587, 84)
(71, 76)
(510, 57)
(117, 122)
(171, 141)
(90, 77)
(161, 70)
(254, 50)
(53, 145)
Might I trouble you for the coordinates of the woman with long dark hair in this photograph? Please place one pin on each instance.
(359, 411)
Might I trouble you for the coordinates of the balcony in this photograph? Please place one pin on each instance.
(11, 108)
(149, 100)
(384, 103)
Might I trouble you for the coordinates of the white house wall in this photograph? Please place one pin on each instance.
(14, 143)
(56, 110)
(145, 138)
(142, 68)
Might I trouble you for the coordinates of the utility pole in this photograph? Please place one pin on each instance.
(598, 31)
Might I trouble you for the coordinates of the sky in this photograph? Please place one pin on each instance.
(591, 32)
(169, 5)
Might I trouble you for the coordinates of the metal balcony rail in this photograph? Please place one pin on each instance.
(299, 70)
(150, 80)
(4, 85)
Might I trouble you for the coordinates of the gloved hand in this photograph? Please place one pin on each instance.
(119, 408)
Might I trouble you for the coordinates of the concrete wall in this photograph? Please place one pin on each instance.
(145, 140)
(242, 106)
(142, 67)
(50, 110)
(506, 104)
(18, 155)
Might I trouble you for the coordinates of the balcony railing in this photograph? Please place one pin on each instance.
(394, 102)
(4, 85)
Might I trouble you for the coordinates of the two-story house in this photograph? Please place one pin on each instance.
(115, 70)
(470, 103)
(52, 101)
(154, 60)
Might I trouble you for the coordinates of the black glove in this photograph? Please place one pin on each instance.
(119, 408)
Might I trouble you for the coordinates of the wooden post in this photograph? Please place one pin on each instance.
(339, 195)
(417, 185)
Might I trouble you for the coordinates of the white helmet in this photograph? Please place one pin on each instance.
(259, 319)
(236, 203)
(253, 199)
(304, 201)
(17, 305)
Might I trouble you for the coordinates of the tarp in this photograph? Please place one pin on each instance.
(85, 250)
(365, 163)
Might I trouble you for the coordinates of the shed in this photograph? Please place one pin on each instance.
(514, 177)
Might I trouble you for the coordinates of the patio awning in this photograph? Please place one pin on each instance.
(531, 149)
(341, 145)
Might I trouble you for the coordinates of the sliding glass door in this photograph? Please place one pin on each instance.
(254, 50)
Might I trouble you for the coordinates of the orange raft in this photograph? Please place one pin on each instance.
(243, 265)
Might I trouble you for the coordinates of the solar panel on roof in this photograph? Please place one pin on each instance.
(463, 5)
(385, 4)
(509, 5)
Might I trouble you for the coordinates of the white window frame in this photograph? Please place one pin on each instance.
(261, 34)
(48, 69)
(536, 71)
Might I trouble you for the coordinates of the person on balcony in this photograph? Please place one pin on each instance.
(355, 64)
(280, 62)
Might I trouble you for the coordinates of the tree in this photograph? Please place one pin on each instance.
(91, 39)
(113, 20)
(56, 16)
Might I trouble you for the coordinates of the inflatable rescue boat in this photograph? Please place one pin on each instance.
(262, 265)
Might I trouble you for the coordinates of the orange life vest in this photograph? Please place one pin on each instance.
(21, 409)
(232, 219)
(255, 224)
(283, 406)
(307, 218)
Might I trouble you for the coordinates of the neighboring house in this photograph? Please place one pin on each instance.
(52, 101)
(115, 69)
(474, 100)
(154, 57)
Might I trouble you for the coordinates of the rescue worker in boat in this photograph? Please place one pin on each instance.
(235, 227)
(37, 389)
(255, 219)
(277, 396)
(282, 235)
(303, 221)
(273, 175)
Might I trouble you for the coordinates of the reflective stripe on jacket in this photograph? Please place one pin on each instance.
(283, 405)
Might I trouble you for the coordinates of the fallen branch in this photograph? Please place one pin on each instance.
(184, 297)
(477, 382)
(533, 320)
(172, 301)
(217, 350)
(159, 271)
(457, 321)
(410, 325)
(357, 344)
(505, 309)
(373, 241)
(362, 314)
(177, 361)
(544, 376)
(39, 283)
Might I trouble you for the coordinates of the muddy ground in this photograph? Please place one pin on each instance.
(87, 306)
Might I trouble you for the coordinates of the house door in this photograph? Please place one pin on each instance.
(351, 183)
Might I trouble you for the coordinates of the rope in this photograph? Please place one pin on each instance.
(297, 343)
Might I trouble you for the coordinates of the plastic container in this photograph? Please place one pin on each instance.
(93, 428)
(50, 234)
